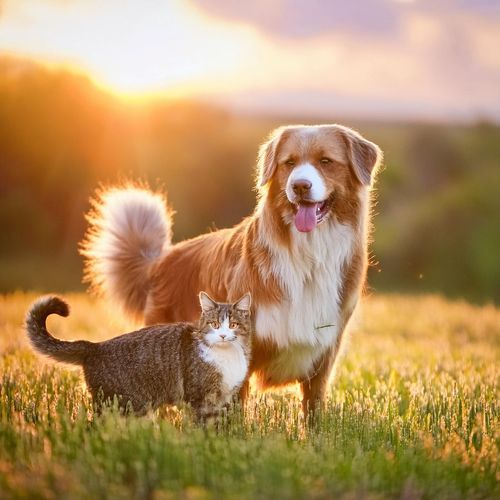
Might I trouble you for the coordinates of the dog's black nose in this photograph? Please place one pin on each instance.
(301, 186)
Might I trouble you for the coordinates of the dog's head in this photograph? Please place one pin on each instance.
(315, 170)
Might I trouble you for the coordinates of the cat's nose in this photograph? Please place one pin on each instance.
(222, 336)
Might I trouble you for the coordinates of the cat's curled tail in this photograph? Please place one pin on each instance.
(42, 341)
(129, 230)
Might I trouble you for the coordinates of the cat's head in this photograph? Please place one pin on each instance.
(221, 324)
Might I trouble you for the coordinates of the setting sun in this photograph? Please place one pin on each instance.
(394, 59)
(126, 48)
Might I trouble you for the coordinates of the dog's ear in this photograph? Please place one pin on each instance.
(364, 156)
(266, 160)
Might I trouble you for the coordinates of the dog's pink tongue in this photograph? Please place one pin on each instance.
(305, 219)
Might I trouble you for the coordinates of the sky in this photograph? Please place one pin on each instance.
(403, 59)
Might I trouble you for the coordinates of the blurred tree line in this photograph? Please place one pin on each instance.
(437, 216)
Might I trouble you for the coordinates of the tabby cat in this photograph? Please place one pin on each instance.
(203, 365)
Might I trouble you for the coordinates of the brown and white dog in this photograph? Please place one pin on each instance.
(302, 254)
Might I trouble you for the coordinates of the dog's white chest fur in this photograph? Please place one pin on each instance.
(307, 321)
(230, 361)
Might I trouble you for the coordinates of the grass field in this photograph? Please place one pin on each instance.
(413, 413)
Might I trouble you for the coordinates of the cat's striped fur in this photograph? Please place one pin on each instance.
(203, 365)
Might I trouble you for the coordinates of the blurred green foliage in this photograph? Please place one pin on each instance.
(436, 220)
(438, 211)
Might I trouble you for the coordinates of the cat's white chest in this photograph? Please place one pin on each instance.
(230, 361)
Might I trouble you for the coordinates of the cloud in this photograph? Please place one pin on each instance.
(430, 54)
(301, 19)
(385, 57)
(481, 7)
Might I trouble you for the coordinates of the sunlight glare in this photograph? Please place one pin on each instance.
(124, 46)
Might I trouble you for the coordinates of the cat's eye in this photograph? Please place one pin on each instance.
(233, 325)
(214, 324)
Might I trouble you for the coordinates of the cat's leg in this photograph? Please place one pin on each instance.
(139, 409)
(97, 405)
(98, 401)
(244, 392)
(207, 408)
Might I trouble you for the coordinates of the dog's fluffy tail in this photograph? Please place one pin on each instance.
(40, 338)
(130, 229)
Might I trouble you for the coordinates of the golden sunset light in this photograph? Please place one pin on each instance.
(249, 249)
(426, 60)
(125, 47)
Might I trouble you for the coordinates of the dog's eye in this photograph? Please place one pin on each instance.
(214, 324)
(233, 325)
(290, 163)
(325, 160)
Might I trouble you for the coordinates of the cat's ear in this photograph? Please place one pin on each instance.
(244, 303)
(206, 303)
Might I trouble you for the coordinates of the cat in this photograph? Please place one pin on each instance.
(203, 365)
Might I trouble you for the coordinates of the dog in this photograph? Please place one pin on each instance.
(302, 254)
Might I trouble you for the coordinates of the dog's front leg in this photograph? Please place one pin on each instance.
(314, 388)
